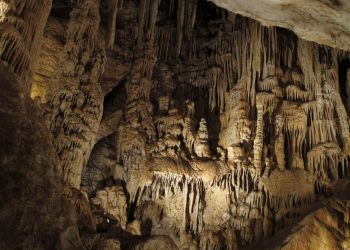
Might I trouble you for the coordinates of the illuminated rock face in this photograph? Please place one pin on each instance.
(75, 100)
(174, 125)
(303, 17)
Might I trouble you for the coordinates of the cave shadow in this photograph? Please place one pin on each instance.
(344, 88)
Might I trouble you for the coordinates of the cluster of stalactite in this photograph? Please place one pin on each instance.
(283, 137)
(192, 193)
(21, 35)
(75, 100)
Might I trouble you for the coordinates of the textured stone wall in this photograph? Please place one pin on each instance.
(34, 212)
(207, 130)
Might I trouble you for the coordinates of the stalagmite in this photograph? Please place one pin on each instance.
(264, 101)
(279, 143)
(201, 143)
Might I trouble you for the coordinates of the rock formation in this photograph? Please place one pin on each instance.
(302, 17)
(75, 100)
(35, 213)
(143, 124)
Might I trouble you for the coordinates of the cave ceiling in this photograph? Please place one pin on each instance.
(322, 21)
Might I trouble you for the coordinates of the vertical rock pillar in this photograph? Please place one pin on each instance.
(75, 106)
(138, 126)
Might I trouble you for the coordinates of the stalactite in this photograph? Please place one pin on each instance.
(141, 21)
(268, 84)
(48, 60)
(192, 190)
(152, 19)
(333, 94)
(279, 143)
(237, 57)
(309, 64)
(210, 241)
(180, 25)
(319, 110)
(255, 51)
(322, 131)
(323, 160)
(294, 127)
(298, 189)
(241, 178)
(294, 93)
(112, 19)
(217, 88)
(166, 42)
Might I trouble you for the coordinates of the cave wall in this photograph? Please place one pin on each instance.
(35, 213)
(171, 124)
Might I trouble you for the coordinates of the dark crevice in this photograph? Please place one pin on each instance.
(344, 66)
(115, 99)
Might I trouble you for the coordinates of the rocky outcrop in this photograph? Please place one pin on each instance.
(324, 22)
(161, 242)
(112, 200)
(34, 212)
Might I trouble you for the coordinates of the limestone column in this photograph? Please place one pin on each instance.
(138, 127)
(75, 100)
